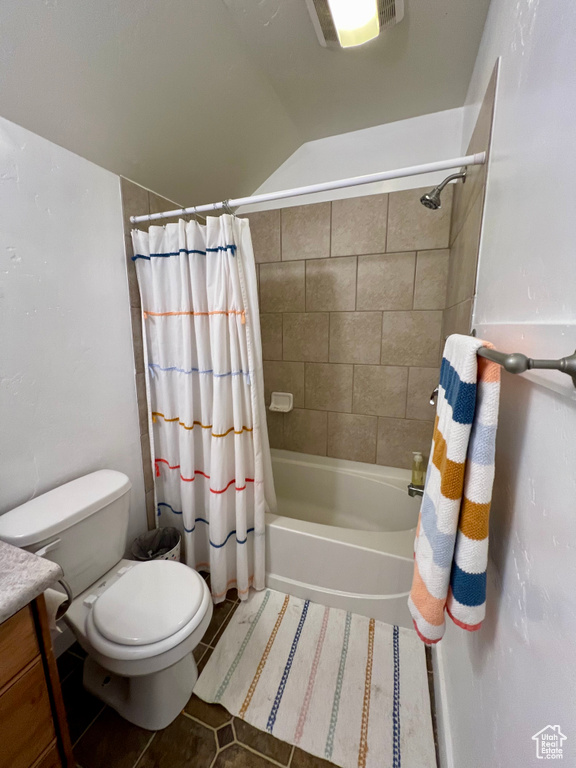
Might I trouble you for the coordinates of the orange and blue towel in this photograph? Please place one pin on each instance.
(451, 547)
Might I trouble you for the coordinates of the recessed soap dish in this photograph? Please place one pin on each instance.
(281, 402)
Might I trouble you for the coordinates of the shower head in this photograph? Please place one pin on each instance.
(432, 199)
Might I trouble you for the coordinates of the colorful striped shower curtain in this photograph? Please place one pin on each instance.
(205, 388)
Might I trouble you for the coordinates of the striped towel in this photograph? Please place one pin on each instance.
(451, 547)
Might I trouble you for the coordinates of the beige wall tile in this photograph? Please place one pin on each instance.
(275, 422)
(431, 279)
(355, 337)
(306, 232)
(331, 285)
(282, 287)
(465, 194)
(306, 336)
(352, 437)
(142, 404)
(136, 315)
(147, 462)
(159, 204)
(421, 384)
(134, 202)
(411, 338)
(271, 330)
(386, 281)
(380, 390)
(150, 510)
(457, 319)
(411, 227)
(265, 232)
(399, 438)
(280, 376)
(306, 431)
(329, 387)
(464, 257)
(133, 289)
(359, 225)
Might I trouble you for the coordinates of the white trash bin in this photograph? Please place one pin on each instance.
(160, 544)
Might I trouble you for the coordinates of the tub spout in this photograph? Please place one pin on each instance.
(415, 490)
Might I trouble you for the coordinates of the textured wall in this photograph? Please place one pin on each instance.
(351, 300)
(416, 141)
(67, 394)
(517, 674)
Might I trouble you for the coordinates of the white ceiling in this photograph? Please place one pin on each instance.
(203, 99)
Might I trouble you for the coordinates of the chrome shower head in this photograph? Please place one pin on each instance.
(432, 199)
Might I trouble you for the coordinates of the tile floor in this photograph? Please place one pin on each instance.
(203, 736)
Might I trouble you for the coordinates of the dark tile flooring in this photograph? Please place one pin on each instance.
(202, 736)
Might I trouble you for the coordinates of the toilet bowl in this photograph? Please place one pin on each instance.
(139, 623)
(139, 626)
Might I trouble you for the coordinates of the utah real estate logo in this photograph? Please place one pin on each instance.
(549, 743)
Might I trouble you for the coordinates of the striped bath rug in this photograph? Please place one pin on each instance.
(346, 688)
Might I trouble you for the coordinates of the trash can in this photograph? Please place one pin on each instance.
(160, 544)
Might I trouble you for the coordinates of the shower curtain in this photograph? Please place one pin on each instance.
(213, 474)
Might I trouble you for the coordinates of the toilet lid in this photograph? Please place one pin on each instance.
(149, 603)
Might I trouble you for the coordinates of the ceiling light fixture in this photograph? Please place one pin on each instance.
(349, 23)
(356, 21)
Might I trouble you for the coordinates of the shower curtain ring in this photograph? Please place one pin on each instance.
(226, 206)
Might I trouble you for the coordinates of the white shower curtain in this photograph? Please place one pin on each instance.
(205, 385)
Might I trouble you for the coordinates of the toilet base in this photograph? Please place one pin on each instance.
(149, 701)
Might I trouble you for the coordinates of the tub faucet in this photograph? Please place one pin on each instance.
(415, 490)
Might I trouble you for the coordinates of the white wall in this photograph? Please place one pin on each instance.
(395, 145)
(518, 673)
(67, 388)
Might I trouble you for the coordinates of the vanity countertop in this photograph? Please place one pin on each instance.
(23, 576)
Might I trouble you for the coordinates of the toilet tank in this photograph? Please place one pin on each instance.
(81, 526)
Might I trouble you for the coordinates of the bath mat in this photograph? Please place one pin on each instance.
(346, 688)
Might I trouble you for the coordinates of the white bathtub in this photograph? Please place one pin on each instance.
(343, 535)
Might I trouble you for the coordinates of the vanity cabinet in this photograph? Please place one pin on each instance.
(33, 728)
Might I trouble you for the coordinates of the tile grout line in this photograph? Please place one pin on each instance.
(387, 222)
(330, 229)
(196, 720)
(141, 755)
(85, 731)
(272, 760)
(221, 629)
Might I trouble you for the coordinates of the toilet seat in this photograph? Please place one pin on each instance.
(132, 652)
(149, 603)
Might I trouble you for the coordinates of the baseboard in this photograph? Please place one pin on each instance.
(442, 711)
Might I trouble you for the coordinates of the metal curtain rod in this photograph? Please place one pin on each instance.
(354, 181)
(518, 363)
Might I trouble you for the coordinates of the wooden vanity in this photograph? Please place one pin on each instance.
(33, 727)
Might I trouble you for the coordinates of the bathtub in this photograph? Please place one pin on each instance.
(343, 535)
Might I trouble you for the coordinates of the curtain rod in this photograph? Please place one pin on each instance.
(355, 181)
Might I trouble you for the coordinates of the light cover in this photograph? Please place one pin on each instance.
(356, 21)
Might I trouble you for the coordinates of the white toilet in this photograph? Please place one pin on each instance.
(138, 622)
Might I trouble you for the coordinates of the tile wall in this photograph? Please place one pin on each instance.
(138, 201)
(468, 209)
(356, 298)
(352, 295)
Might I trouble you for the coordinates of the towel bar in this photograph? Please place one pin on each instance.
(519, 363)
